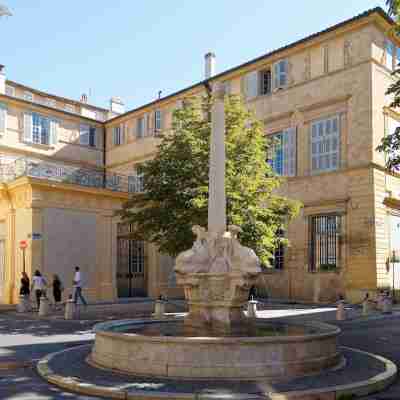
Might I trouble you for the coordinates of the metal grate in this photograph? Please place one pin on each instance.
(324, 242)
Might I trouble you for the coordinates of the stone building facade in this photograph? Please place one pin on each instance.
(68, 166)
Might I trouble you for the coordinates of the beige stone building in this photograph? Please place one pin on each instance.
(66, 166)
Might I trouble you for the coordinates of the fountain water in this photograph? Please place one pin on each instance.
(216, 340)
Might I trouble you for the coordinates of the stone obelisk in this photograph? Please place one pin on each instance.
(217, 197)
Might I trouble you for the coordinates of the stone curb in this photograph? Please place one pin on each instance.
(357, 389)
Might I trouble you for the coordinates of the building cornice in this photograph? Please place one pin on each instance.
(375, 14)
(53, 111)
(53, 185)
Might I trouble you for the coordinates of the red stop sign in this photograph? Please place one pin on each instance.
(23, 244)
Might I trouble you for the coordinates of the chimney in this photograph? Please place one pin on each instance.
(209, 65)
(117, 105)
(2, 80)
(83, 98)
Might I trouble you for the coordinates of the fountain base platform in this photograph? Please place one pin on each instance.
(265, 350)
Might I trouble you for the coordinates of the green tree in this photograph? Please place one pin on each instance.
(175, 193)
(390, 144)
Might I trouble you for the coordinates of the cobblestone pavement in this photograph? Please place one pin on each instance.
(24, 338)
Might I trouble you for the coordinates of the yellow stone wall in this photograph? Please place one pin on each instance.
(67, 149)
(340, 72)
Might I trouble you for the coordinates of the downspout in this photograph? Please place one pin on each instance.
(104, 156)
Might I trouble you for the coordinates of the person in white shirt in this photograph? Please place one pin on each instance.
(38, 286)
(78, 287)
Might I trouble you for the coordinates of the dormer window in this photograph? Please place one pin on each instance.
(28, 96)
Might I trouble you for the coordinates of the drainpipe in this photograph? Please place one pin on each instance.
(104, 156)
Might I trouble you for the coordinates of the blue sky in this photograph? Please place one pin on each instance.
(134, 48)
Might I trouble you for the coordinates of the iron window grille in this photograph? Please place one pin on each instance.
(324, 244)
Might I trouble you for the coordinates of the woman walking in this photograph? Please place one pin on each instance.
(57, 290)
(38, 286)
(25, 285)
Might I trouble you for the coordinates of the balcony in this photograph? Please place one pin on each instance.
(68, 174)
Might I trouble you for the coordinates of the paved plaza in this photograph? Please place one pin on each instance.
(24, 338)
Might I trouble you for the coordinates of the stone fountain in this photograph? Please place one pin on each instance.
(217, 272)
(216, 339)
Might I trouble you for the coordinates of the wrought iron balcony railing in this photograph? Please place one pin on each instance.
(69, 174)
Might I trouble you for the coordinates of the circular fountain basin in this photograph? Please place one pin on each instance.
(263, 350)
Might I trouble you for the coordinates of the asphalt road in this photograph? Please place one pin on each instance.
(22, 339)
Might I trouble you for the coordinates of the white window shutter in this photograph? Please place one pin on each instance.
(114, 135)
(146, 124)
(122, 139)
(275, 74)
(84, 134)
(27, 135)
(291, 151)
(53, 132)
(251, 86)
(3, 118)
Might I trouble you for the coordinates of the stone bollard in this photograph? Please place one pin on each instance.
(44, 306)
(387, 305)
(366, 307)
(159, 309)
(341, 311)
(252, 309)
(380, 301)
(24, 304)
(69, 309)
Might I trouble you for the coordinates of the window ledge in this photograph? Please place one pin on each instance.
(39, 145)
(335, 271)
(271, 271)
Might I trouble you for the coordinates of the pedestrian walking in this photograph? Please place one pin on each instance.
(78, 287)
(57, 290)
(25, 285)
(38, 286)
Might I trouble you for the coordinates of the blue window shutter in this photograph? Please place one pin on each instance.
(3, 118)
(251, 85)
(27, 135)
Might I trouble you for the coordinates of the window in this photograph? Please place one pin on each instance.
(28, 96)
(51, 103)
(10, 91)
(280, 74)
(40, 129)
(324, 244)
(117, 135)
(325, 139)
(227, 87)
(157, 121)
(3, 118)
(140, 127)
(87, 135)
(135, 182)
(92, 136)
(70, 108)
(390, 49)
(265, 81)
(277, 261)
(282, 153)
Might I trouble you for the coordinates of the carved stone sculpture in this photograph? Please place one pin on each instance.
(217, 272)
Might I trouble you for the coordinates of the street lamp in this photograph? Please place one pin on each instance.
(4, 11)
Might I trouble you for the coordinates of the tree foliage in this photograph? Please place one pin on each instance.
(175, 193)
